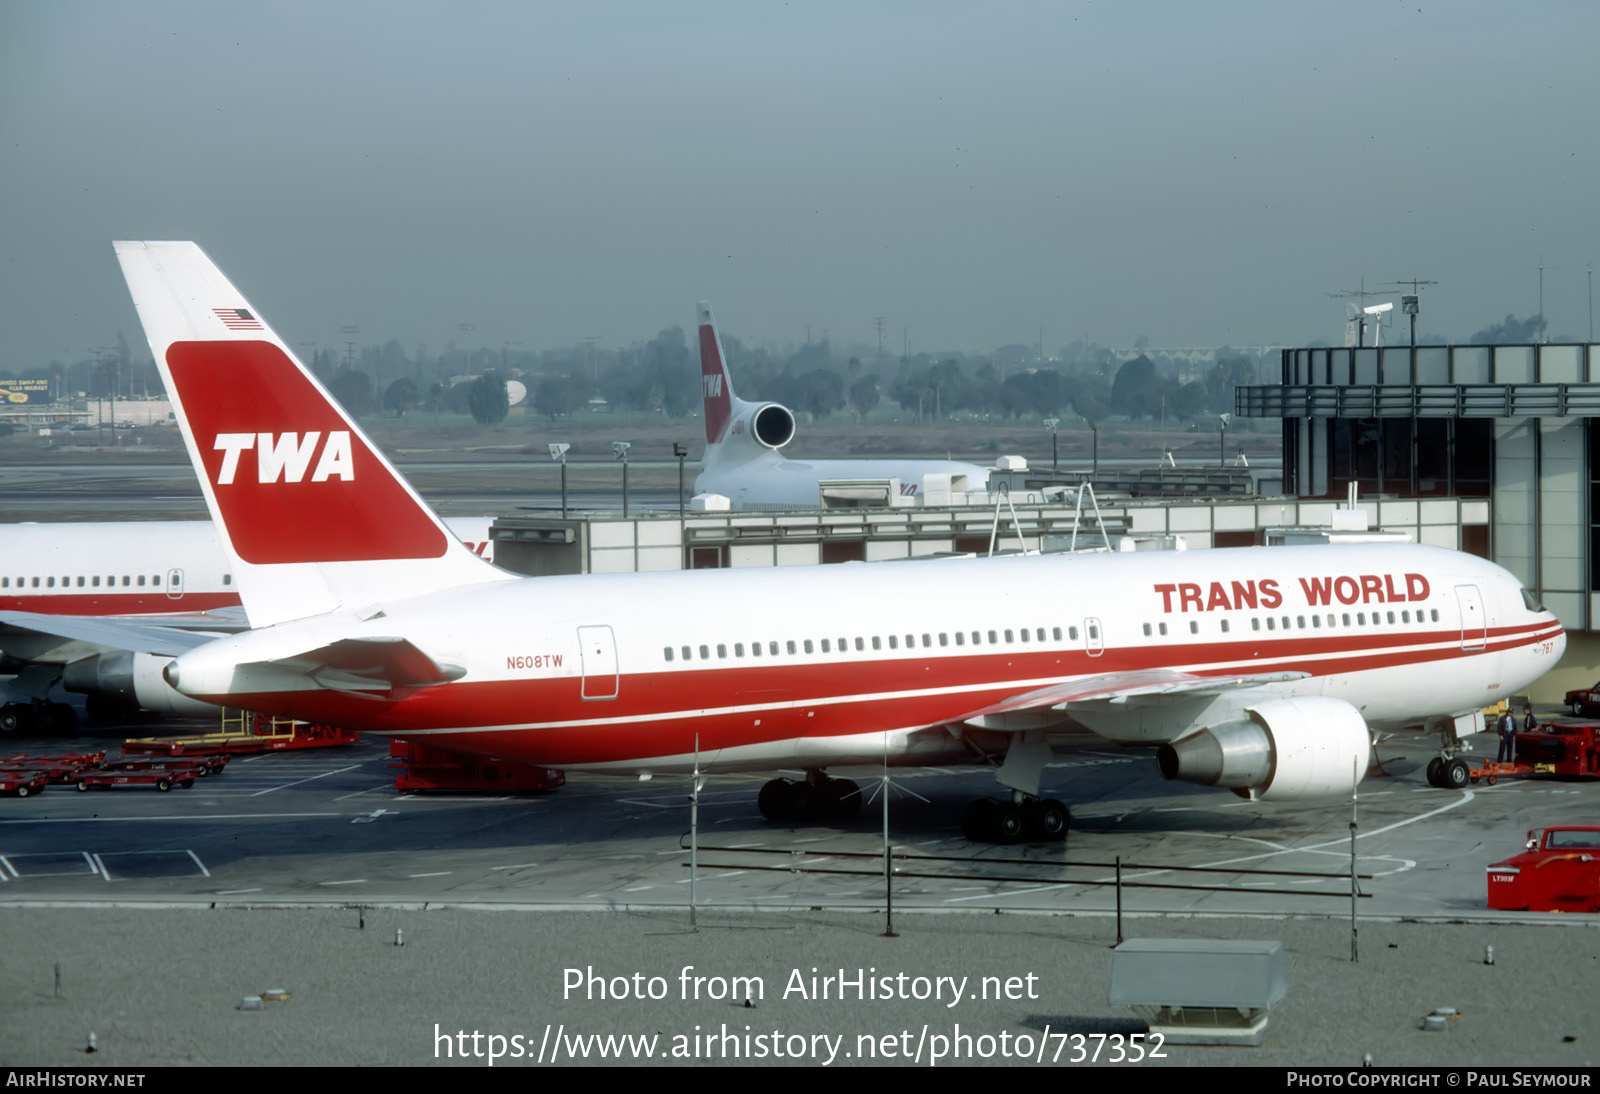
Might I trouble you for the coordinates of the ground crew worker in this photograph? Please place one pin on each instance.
(1508, 738)
(1530, 724)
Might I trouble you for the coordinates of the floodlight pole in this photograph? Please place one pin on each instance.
(558, 452)
(680, 450)
(888, 864)
(694, 831)
(621, 450)
(1355, 779)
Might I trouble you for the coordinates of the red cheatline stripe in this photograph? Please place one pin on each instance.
(655, 711)
(90, 602)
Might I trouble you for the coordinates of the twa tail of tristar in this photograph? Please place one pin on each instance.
(313, 517)
(736, 431)
(715, 387)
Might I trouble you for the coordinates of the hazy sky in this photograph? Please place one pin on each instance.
(1196, 173)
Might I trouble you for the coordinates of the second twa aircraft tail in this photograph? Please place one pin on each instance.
(314, 518)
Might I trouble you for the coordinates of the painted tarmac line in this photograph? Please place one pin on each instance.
(312, 778)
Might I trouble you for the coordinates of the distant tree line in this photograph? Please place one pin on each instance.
(662, 376)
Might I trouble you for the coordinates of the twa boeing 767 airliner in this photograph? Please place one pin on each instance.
(1259, 670)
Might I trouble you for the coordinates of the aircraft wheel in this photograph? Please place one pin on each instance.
(1048, 820)
(804, 800)
(1010, 823)
(163, 785)
(1435, 772)
(844, 799)
(776, 800)
(1456, 774)
(14, 718)
(975, 819)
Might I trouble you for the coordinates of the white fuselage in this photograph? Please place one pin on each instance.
(854, 662)
(135, 567)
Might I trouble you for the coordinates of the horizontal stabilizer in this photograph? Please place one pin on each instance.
(365, 664)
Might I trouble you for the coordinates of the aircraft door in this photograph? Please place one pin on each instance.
(1474, 626)
(597, 653)
(174, 584)
(1093, 642)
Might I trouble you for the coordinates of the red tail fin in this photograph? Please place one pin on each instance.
(717, 391)
(312, 515)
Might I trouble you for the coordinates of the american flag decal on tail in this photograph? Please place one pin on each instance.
(237, 319)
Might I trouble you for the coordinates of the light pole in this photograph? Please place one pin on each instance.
(620, 450)
(681, 451)
(1222, 439)
(1050, 424)
(558, 452)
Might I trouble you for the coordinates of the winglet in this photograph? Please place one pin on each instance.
(714, 383)
(312, 514)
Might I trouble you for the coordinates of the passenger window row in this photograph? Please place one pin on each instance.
(927, 640)
(81, 582)
(1299, 622)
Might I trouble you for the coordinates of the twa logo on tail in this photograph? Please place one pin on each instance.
(286, 456)
(716, 390)
(318, 492)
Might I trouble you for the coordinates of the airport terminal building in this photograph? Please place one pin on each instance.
(1509, 424)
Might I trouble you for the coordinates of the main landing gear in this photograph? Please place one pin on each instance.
(1023, 818)
(817, 798)
(40, 717)
(1448, 774)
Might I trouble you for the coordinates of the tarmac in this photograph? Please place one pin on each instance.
(162, 984)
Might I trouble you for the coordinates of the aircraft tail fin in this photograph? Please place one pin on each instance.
(312, 515)
(715, 386)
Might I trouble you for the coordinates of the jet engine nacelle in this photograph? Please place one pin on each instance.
(770, 425)
(131, 679)
(1280, 750)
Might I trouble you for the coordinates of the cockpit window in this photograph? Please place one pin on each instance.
(1529, 602)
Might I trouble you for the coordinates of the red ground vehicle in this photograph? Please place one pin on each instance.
(1559, 872)
(425, 768)
(23, 783)
(244, 732)
(162, 779)
(1583, 701)
(62, 768)
(1561, 748)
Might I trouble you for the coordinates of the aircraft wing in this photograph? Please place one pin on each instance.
(1101, 702)
(1119, 689)
(32, 636)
